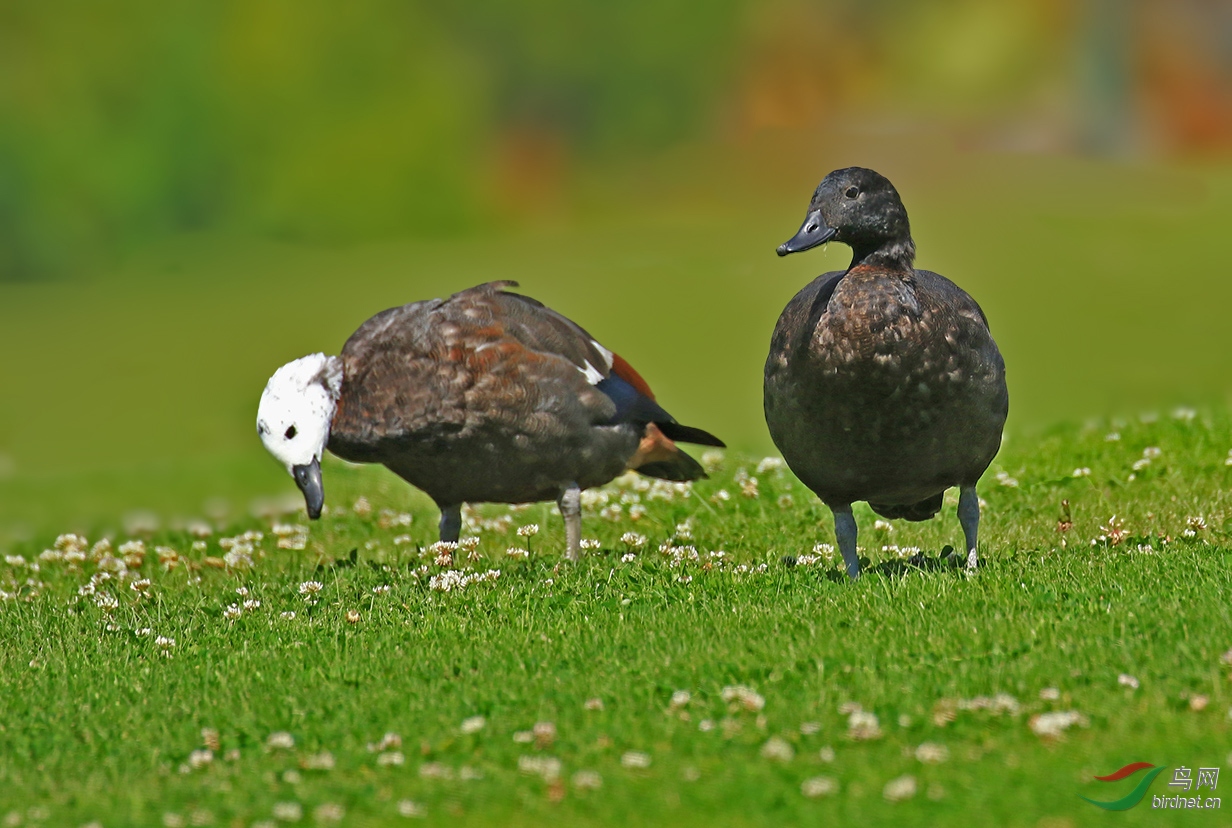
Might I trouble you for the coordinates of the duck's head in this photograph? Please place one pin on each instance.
(860, 208)
(294, 417)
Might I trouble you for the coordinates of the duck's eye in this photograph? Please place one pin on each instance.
(290, 433)
(852, 192)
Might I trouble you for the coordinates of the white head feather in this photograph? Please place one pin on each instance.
(297, 408)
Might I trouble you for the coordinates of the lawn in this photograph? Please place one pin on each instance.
(163, 665)
(704, 663)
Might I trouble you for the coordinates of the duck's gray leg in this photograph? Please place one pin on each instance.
(845, 534)
(570, 503)
(969, 519)
(451, 523)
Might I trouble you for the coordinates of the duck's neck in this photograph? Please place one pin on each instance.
(898, 254)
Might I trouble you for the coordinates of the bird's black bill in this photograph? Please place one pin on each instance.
(308, 478)
(813, 232)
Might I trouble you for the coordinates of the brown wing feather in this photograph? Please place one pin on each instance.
(482, 356)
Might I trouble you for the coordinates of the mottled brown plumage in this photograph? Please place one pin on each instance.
(883, 383)
(491, 396)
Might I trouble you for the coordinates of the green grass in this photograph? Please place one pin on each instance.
(96, 724)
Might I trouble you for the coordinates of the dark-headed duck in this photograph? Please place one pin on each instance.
(883, 382)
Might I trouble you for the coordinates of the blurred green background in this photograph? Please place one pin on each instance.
(193, 193)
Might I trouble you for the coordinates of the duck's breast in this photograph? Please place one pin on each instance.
(892, 388)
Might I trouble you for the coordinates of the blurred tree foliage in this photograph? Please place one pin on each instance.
(124, 121)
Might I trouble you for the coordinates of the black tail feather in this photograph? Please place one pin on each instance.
(688, 434)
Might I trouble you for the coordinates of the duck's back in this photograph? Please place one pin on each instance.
(884, 386)
(483, 396)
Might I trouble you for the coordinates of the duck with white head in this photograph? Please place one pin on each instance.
(486, 396)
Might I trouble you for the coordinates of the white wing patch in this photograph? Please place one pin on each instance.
(593, 376)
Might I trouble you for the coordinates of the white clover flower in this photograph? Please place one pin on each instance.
(200, 758)
(818, 786)
(232, 612)
(742, 697)
(288, 811)
(310, 588)
(628, 557)
(546, 767)
(588, 780)
(394, 757)
(635, 759)
(769, 464)
(1054, 725)
(862, 725)
(932, 753)
(287, 616)
(383, 589)
(681, 698)
(1082, 472)
(528, 531)
(517, 552)
(293, 543)
(1151, 452)
(132, 547)
(544, 733)
(900, 788)
(389, 740)
(637, 511)
(318, 761)
(778, 749)
(15, 560)
(106, 602)
(280, 740)
(589, 543)
(165, 643)
(1126, 680)
(411, 809)
(71, 543)
(473, 725)
(633, 540)
(329, 812)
